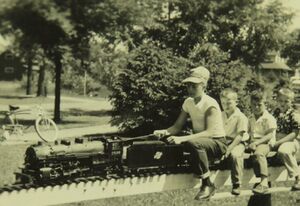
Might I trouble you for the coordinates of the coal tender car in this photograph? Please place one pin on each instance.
(99, 157)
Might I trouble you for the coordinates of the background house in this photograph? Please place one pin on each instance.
(274, 67)
(295, 82)
(11, 67)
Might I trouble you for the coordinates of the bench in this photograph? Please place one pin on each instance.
(272, 158)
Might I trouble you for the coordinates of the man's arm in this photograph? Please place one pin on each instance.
(265, 139)
(211, 120)
(294, 126)
(285, 138)
(235, 142)
(177, 126)
(242, 129)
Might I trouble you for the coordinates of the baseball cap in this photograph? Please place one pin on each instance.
(198, 75)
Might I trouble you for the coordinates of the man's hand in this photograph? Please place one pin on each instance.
(273, 146)
(298, 136)
(245, 137)
(252, 146)
(227, 154)
(161, 133)
(174, 140)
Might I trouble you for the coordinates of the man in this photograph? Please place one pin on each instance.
(208, 138)
(236, 128)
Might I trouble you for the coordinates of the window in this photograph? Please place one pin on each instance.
(9, 56)
(9, 70)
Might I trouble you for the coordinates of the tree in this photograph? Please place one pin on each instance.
(112, 21)
(44, 67)
(291, 49)
(42, 23)
(245, 29)
(107, 60)
(55, 25)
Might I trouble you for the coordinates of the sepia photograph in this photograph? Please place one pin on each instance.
(150, 102)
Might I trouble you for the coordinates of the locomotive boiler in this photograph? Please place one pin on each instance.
(99, 156)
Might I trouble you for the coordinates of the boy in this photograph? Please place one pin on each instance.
(263, 131)
(236, 127)
(287, 131)
(208, 140)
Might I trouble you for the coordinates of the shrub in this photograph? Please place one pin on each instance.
(148, 93)
(273, 83)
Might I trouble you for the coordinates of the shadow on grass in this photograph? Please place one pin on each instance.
(80, 112)
(24, 122)
(15, 96)
(67, 122)
(3, 112)
(82, 117)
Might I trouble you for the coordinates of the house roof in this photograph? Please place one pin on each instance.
(275, 66)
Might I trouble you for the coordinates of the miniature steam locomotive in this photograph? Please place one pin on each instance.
(98, 156)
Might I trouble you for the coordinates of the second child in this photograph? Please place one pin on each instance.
(236, 128)
(263, 134)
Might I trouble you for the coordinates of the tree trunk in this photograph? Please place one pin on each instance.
(84, 83)
(29, 77)
(42, 84)
(58, 69)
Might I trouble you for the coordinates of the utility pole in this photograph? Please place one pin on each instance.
(58, 69)
(84, 83)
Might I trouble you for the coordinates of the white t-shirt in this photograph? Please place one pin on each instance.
(236, 123)
(198, 111)
(264, 123)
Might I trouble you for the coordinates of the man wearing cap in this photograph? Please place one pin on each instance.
(208, 138)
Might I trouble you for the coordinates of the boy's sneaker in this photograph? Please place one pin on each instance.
(261, 189)
(206, 192)
(236, 189)
(296, 185)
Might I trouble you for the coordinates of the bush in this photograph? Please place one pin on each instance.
(73, 82)
(273, 83)
(148, 94)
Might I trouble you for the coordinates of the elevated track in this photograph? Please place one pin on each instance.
(99, 188)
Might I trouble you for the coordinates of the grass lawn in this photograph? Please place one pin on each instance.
(76, 111)
(11, 158)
